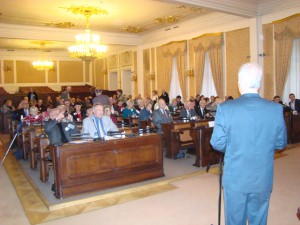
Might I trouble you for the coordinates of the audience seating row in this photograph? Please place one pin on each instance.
(40, 89)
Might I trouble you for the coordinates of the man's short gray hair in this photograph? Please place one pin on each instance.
(250, 75)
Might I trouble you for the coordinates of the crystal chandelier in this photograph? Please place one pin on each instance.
(42, 64)
(87, 46)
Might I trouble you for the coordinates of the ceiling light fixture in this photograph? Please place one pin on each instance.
(87, 46)
(42, 64)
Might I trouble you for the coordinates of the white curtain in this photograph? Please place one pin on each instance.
(292, 84)
(208, 86)
(175, 85)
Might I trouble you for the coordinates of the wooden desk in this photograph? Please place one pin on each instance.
(294, 129)
(178, 124)
(80, 168)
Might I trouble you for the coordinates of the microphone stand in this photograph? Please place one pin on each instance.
(18, 131)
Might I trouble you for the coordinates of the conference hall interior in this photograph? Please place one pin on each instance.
(122, 60)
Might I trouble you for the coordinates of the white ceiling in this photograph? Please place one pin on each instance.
(37, 18)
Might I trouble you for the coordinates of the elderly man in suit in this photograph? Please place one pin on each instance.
(188, 111)
(59, 132)
(100, 98)
(21, 112)
(248, 130)
(202, 111)
(98, 125)
(161, 115)
(294, 103)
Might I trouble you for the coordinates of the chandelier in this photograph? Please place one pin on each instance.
(87, 46)
(42, 64)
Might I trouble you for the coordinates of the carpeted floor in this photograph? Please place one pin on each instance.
(175, 201)
(40, 204)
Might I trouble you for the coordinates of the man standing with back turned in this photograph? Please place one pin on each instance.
(248, 130)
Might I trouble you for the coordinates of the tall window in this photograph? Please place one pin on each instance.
(208, 86)
(292, 84)
(174, 85)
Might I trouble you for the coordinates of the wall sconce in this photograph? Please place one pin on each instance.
(189, 73)
(105, 72)
(152, 76)
(7, 68)
(133, 76)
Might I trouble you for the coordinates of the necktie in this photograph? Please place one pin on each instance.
(165, 114)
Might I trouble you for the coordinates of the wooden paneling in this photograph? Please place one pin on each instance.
(237, 53)
(81, 168)
(71, 71)
(27, 74)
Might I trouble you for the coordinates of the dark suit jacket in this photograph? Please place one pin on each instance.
(249, 129)
(54, 134)
(18, 113)
(205, 111)
(101, 99)
(159, 118)
(32, 95)
(297, 105)
(165, 96)
(183, 113)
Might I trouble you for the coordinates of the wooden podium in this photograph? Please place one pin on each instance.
(86, 167)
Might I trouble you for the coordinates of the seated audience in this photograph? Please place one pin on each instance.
(119, 107)
(77, 113)
(22, 112)
(180, 105)
(202, 111)
(69, 108)
(188, 111)
(294, 103)
(214, 106)
(89, 112)
(107, 112)
(120, 96)
(145, 113)
(161, 115)
(98, 125)
(33, 117)
(129, 111)
(173, 106)
(49, 101)
(59, 132)
(41, 107)
(7, 107)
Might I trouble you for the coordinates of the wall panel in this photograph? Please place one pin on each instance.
(146, 69)
(268, 62)
(27, 74)
(71, 71)
(237, 53)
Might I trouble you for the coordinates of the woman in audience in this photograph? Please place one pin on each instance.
(129, 111)
(77, 114)
(33, 117)
(173, 106)
(7, 108)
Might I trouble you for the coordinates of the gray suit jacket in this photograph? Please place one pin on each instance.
(90, 126)
(65, 95)
(101, 99)
(53, 131)
(183, 113)
(159, 118)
